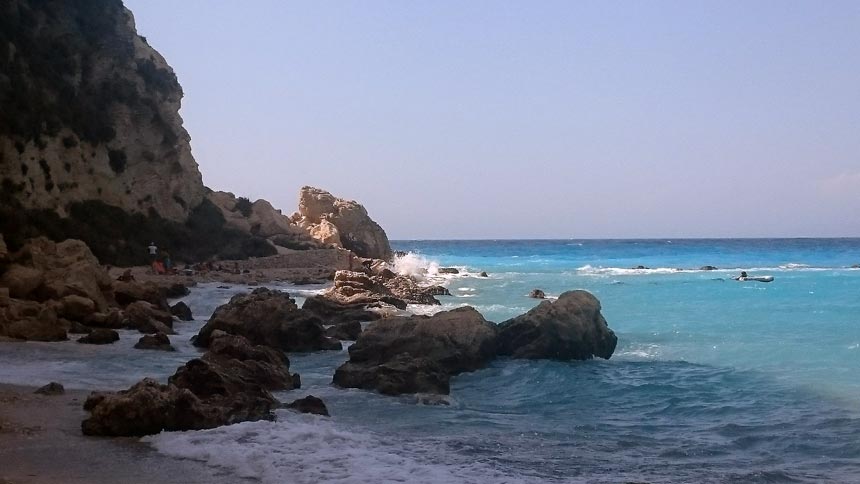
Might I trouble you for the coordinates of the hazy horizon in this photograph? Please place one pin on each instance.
(486, 120)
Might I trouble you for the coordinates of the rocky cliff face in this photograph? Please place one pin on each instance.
(90, 112)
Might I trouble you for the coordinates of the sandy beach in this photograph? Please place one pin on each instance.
(41, 442)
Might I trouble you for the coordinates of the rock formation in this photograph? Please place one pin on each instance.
(100, 337)
(571, 328)
(418, 354)
(344, 223)
(157, 341)
(537, 294)
(230, 384)
(91, 112)
(271, 318)
(309, 404)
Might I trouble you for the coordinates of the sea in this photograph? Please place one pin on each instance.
(713, 381)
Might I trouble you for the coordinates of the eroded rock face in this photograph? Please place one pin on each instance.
(328, 218)
(30, 320)
(418, 353)
(103, 123)
(271, 318)
(570, 328)
(230, 384)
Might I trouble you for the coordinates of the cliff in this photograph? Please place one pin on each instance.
(90, 112)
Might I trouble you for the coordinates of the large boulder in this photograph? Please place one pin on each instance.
(418, 353)
(331, 311)
(100, 336)
(157, 341)
(407, 289)
(328, 218)
(231, 383)
(76, 308)
(349, 331)
(181, 311)
(271, 318)
(127, 292)
(43, 270)
(146, 318)
(30, 320)
(309, 404)
(571, 328)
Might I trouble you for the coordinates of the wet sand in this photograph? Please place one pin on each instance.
(41, 442)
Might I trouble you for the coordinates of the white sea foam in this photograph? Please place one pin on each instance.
(309, 449)
(415, 265)
(589, 270)
(466, 289)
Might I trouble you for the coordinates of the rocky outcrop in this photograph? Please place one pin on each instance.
(44, 270)
(332, 311)
(418, 354)
(537, 294)
(52, 388)
(126, 293)
(271, 318)
(157, 341)
(448, 270)
(570, 328)
(91, 112)
(344, 223)
(708, 268)
(230, 384)
(30, 320)
(100, 336)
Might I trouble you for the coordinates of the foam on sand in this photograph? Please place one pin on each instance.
(310, 449)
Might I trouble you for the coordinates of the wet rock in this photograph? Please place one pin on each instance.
(175, 290)
(639, 267)
(856, 266)
(268, 318)
(437, 291)
(448, 270)
(181, 311)
(418, 354)
(407, 289)
(52, 388)
(309, 404)
(157, 341)
(100, 336)
(349, 331)
(352, 288)
(537, 294)
(707, 268)
(231, 383)
(483, 274)
(146, 318)
(30, 320)
(570, 328)
(334, 312)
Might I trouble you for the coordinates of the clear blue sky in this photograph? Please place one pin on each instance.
(490, 119)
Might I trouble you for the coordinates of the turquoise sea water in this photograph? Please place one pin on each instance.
(713, 380)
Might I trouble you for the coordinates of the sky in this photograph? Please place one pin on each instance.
(513, 119)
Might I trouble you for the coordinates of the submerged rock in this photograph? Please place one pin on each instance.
(448, 270)
(349, 331)
(483, 274)
(309, 404)
(52, 388)
(270, 318)
(418, 354)
(100, 336)
(231, 383)
(537, 294)
(571, 328)
(708, 268)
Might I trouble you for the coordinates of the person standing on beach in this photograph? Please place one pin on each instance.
(153, 251)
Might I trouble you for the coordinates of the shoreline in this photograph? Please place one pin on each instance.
(41, 443)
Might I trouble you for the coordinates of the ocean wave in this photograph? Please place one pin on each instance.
(311, 449)
(589, 270)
